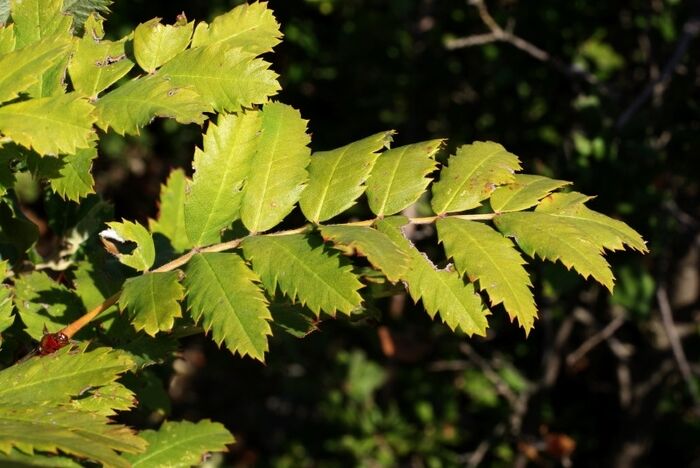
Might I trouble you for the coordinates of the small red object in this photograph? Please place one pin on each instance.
(52, 342)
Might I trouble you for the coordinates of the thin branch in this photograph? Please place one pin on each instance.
(71, 329)
(602, 335)
(498, 34)
(691, 28)
(674, 339)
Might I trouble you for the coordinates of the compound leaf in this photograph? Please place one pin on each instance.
(142, 256)
(552, 239)
(153, 301)
(106, 400)
(442, 291)
(134, 104)
(227, 79)
(485, 255)
(223, 293)
(251, 27)
(399, 176)
(214, 196)
(24, 67)
(303, 272)
(50, 125)
(526, 191)
(156, 43)
(336, 177)
(59, 376)
(471, 175)
(181, 443)
(72, 431)
(171, 211)
(381, 251)
(278, 170)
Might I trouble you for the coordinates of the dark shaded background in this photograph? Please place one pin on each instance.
(342, 396)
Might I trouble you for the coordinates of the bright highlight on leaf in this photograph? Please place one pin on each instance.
(525, 192)
(442, 291)
(134, 104)
(471, 175)
(483, 254)
(214, 196)
(251, 27)
(304, 272)
(142, 256)
(278, 171)
(223, 293)
(156, 43)
(336, 177)
(399, 177)
(181, 443)
(50, 125)
(153, 301)
(381, 251)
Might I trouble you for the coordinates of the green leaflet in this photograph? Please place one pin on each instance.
(6, 317)
(50, 125)
(143, 255)
(485, 255)
(37, 19)
(7, 175)
(251, 27)
(336, 177)
(294, 319)
(155, 43)
(223, 293)
(376, 246)
(106, 400)
(526, 191)
(81, 9)
(134, 104)
(7, 36)
(74, 432)
(227, 79)
(181, 443)
(15, 458)
(70, 175)
(278, 171)
(97, 63)
(214, 197)
(472, 174)
(4, 12)
(153, 301)
(24, 68)
(442, 291)
(43, 303)
(399, 176)
(57, 377)
(544, 235)
(602, 230)
(304, 272)
(171, 211)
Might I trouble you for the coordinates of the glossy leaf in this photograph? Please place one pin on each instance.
(336, 177)
(399, 176)
(227, 79)
(134, 104)
(303, 272)
(50, 125)
(143, 255)
(24, 67)
(471, 175)
(381, 251)
(181, 443)
(156, 43)
(171, 211)
(525, 192)
(153, 301)
(485, 255)
(278, 170)
(223, 293)
(251, 27)
(442, 291)
(214, 196)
